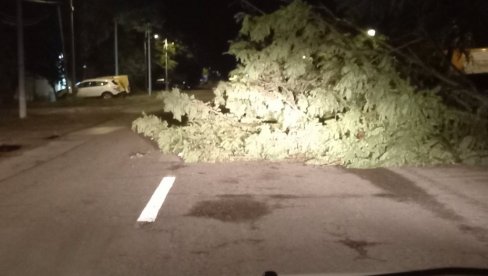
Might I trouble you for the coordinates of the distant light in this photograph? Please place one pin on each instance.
(156, 36)
(371, 32)
(60, 56)
(84, 66)
(484, 49)
(304, 57)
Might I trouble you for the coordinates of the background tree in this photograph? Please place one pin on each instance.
(41, 29)
(179, 57)
(8, 64)
(134, 19)
(431, 29)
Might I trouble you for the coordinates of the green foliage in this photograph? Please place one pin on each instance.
(181, 104)
(305, 89)
(175, 50)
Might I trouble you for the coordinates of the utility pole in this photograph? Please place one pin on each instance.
(148, 42)
(116, 47)
(166, 64)
(20, 54)
(145, 56)
(63, 47)
(20, 61)
(73, 57)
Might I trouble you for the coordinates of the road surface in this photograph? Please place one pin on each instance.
(70, 207)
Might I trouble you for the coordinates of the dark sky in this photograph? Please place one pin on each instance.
(209, 25)
(205, 25)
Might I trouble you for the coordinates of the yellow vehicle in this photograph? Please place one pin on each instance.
(123, 81)
(477, 63)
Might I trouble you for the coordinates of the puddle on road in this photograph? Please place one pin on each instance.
(397, 187)
(285, 196)
(4, 148)
(177, 166)
(52, 137)
(239, 208)
(360, 246)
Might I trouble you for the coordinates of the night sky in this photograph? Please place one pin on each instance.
(209, 25)
(206, 26)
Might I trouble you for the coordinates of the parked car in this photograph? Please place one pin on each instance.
(105, 87)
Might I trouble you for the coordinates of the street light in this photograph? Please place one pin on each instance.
(148, 42)
(148, 46)
(116, 46)
(20, 61)
(73, 55)
(371, 32)
(156, 36)
(166, 64)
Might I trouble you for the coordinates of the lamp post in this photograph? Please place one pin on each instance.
(116, 47)
(20, 52)
(20, 61)
(166, 64)
(73, 56)
(148, 43)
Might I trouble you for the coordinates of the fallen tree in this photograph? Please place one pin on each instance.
(311, 89)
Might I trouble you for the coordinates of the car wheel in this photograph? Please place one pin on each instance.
(107, 95)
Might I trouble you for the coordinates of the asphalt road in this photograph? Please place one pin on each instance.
(70, 207)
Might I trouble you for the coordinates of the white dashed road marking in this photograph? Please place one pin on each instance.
(151, 210)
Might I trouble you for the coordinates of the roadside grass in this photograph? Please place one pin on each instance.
(45, 120)
(202, 95)
(72, 101)
(72, 113)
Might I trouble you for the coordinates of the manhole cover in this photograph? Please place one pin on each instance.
(9, 148)
(230, 209)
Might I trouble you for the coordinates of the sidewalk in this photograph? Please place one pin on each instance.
(46, 122)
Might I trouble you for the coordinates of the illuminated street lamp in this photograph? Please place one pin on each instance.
(116, 47)
(148, 42)
(371, 32)
(166, 64)
(148, 46)
(21, 60)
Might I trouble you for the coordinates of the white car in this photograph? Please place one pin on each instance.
(100, 87)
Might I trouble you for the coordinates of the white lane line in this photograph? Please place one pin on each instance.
(151, 210)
